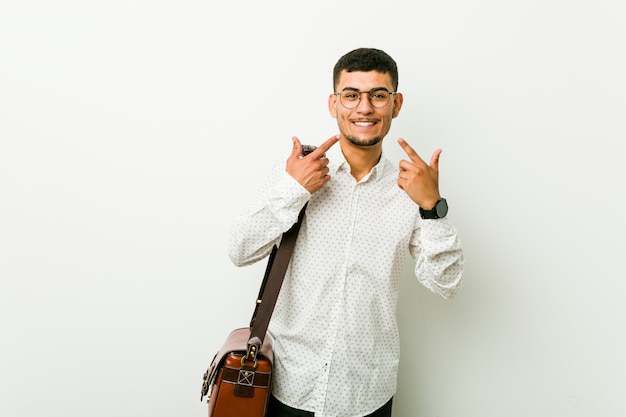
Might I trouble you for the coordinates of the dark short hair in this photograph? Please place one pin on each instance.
(366, 59)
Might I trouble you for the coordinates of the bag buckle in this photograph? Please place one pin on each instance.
(207, 379)
(206, 386)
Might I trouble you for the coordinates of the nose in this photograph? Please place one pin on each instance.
(364, 106)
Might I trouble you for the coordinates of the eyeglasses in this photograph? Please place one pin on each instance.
(378, 97)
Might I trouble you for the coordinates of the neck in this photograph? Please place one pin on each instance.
(361, 158)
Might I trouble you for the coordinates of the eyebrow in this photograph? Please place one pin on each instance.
(373, 89)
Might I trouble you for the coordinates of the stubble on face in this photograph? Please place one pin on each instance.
(359, 142)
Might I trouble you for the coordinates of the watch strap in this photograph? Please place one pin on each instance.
(440, 207)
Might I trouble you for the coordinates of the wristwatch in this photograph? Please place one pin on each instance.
(438, 212)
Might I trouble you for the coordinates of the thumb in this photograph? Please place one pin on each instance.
(297, 147)
(434, 160)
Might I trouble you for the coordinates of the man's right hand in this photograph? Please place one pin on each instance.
(310, 171)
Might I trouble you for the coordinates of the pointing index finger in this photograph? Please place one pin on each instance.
(409, 151)
(321, 150)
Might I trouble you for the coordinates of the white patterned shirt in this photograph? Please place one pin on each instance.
(334, 328)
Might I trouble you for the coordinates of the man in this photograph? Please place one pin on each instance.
(334, 328)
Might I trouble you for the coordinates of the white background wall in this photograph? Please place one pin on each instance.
(132, 131)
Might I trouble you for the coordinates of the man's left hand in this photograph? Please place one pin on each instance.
(418, 179)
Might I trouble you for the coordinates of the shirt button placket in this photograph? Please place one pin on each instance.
(323, 382)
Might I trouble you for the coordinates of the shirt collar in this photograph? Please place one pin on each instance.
(337, 161)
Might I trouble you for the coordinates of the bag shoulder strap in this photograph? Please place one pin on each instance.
(270, 287)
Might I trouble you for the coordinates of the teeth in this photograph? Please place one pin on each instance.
(363, 123)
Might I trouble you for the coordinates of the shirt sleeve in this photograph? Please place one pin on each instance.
(273, 211)
(438, 255)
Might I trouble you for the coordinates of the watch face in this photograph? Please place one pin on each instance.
(442, 208)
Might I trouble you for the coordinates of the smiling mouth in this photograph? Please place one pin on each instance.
(364, 123)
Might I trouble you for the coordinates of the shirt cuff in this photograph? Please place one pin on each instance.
(435, 229)
(288, 196)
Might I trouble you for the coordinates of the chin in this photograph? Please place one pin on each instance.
(364, 142)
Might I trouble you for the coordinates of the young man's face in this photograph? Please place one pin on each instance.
(365, 124)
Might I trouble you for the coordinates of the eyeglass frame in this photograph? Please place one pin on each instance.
(369, 98)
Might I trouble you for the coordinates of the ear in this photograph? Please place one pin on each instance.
(398, 99)
(332, 105)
